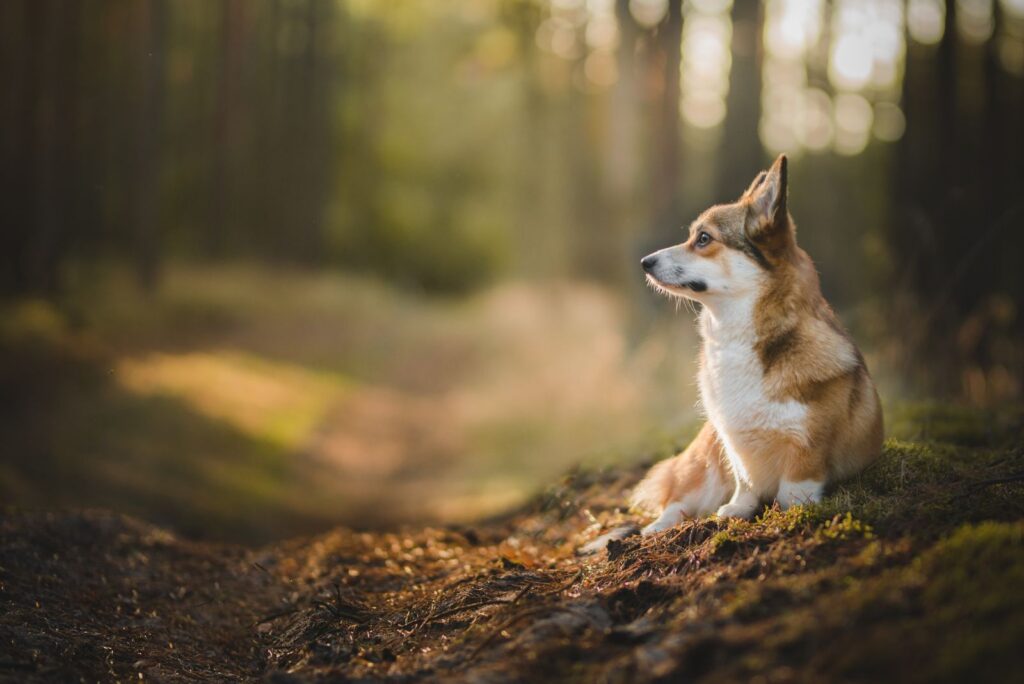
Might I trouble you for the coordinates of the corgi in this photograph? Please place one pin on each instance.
(789, 402)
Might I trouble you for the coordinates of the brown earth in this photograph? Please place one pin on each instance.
(912, 572)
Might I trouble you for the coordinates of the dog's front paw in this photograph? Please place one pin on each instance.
(736, 510)
(657, 526)
(799, 493)
(670, 517)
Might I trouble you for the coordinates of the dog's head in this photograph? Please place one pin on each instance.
(732, 249)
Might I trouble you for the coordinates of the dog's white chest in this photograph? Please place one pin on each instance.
(734, 394)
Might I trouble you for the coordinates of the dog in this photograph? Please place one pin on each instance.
(789, 402)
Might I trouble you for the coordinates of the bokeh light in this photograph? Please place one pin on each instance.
(974, 20)
(853, 115)
(602, 28)
(926, 20)
(706, 61)
(850, 63)
(1010, 41)
(792, 27)
(602, 37)
(867, 45)
(862, 55)
(648, 13)
(790, 118)
(889, 122)
(1013, 9)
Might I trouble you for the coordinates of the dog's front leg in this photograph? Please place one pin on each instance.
(743, 504)
(799, 492)
(803, 478)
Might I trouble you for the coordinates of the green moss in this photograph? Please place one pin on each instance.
(911, 571)
(955, 424)
(871, 555)
(930, 487)
(724, 542)
(958, 609)
(794, 519)
(973, 589)
(846, 527)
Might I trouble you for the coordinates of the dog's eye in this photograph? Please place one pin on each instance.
(703, 239)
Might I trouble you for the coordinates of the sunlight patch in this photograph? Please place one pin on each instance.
(272, 401)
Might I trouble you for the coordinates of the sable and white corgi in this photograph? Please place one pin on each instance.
(789, 403)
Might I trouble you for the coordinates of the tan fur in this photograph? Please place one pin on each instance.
(671, 479)
(805, 356)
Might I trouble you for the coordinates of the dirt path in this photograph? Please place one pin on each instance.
(96, 596)
(912, 572)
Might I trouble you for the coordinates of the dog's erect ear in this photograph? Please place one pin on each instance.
(767, 198)
(754, 186)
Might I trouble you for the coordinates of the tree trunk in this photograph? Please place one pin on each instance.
(146, 214)
(220, 226)
(666, 142)
(741, 156)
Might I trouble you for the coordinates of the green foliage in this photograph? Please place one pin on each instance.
(422, 198)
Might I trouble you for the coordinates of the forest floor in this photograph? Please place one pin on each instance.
(226, 415)
(913, 571)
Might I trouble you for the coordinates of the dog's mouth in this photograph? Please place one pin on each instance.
(696, 285)
(683, 289)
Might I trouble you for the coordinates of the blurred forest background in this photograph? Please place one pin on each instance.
(268, 265)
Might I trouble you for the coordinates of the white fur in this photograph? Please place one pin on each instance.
(676, 266)
(743, 504)
(732, 378)
(799, 493)
(734, 394)
(670, 517)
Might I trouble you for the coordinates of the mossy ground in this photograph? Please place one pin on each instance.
(913, 571)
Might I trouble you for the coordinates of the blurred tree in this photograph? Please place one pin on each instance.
(665, 144)
(434, 144)
(743, 156)
(956, 217)
(146, 215)
(232, 27)
(39, 67)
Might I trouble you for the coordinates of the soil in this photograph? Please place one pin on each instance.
(913, 571)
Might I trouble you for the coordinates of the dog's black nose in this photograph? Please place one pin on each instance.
(649, 262)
